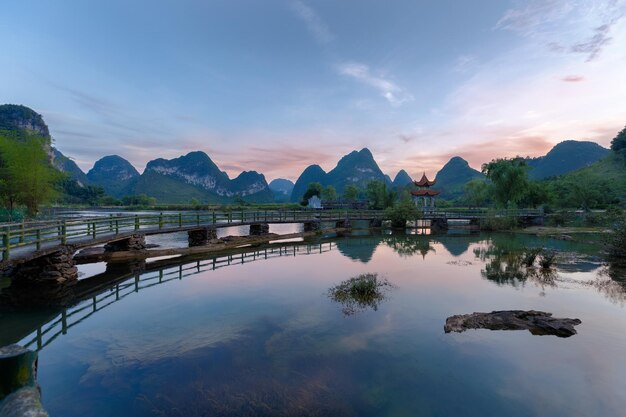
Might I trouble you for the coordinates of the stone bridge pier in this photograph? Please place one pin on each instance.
(136, 241)
(438, 225)
(312, 226)
(202, 236)
(259, 229)
(47, 280)
(343, 224)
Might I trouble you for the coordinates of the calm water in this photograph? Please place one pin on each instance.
(262, 338)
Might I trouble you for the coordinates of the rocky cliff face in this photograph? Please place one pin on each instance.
(282, 189)
(15, 117)
(66, 165)
(201, 177)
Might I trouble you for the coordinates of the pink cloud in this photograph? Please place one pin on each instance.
(573, 78)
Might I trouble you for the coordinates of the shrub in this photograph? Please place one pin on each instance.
(616, 243)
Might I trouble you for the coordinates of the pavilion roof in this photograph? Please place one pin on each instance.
(424, 182)
(425, 193)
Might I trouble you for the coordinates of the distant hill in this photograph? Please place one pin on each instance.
(115, 174)
(195, 175)
(312, 173)
(565, 157)
(356, 168)
(451, 179)
(401, 180)
(66, 165)
(281, 188)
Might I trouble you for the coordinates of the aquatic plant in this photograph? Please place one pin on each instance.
(360, 292)
(547, 259)
(529, 256)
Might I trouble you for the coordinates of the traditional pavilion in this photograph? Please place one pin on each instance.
(424, 197)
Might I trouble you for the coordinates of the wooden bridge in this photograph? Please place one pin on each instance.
(25, 241)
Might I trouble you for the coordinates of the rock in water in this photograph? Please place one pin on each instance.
(537, 322)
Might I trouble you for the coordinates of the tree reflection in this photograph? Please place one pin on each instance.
(360, 293)
(409, 245)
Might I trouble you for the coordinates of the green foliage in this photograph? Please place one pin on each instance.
(401, 212)
(26, 175)
(329, 193)
(494, 221)
(314, 188)
(351, 192)
(616, 243)
(582, 191)
(138, 200)
(536, 194)
(618, 144)
(509, 178)
(109, 200)
(476, 192)
(379, 196)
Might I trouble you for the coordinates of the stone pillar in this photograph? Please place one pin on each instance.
(136, 241)
(438, 225)
(312, 226)
(376, 223)
(259, 229)
(58, 267)
(343, 224)
(18, 383)
(201, 237)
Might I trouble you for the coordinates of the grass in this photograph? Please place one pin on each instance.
(360, 292)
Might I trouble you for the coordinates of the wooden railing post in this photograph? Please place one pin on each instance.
(94, 229)
(214, 218)
(160, 220)
(110, 222)
(117, 227)
(6, 243)
(22, 232)
(180, 219)
(64, 233)
(38, 239)
(136, 222)
(197, 219)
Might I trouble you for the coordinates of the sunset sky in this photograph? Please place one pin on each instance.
(276, 85)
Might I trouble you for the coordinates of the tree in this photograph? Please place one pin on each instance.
(26, 177)
(379, 197)
(618, 144)
(401, 212)
(537, 193)
(351, 192)
(329, 193)
(476, 192)
(314, 188)
(509, 178)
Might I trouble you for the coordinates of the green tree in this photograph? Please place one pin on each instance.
(379, 196)
(476, 192)
(537, 193)
(618, 145)
(26, 176)
(509, 179)
(351, 192)
(329, 193)
(314, 188)
(401, 212)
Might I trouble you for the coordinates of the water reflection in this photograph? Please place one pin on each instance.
(252, 332)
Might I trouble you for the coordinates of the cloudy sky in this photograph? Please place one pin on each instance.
(276, 85)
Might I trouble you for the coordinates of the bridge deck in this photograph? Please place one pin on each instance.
(25, 241)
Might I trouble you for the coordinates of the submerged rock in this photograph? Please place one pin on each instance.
(538, 323)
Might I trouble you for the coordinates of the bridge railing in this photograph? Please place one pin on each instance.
(36, 235)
